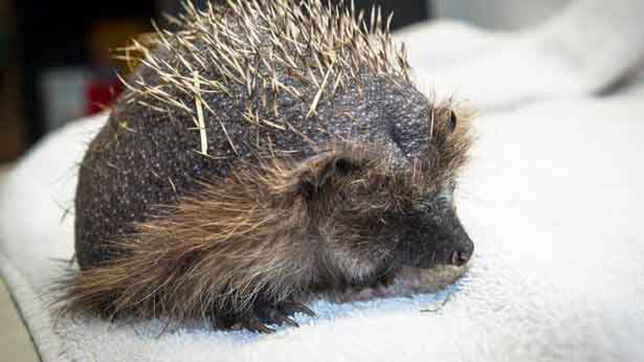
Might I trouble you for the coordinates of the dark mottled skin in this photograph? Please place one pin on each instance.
(143, 158)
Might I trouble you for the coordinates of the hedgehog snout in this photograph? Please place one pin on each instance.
(450, 257)
(460, 258)
(463, 252)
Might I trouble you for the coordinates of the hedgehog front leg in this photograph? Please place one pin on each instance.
(290, 308)
(234, 321)
(279, 313)
(262, 313)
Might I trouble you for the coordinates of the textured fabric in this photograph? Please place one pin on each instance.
(552, 199)
(587, 48)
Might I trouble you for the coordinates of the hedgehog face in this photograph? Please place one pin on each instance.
(377, 220)
(374, 216)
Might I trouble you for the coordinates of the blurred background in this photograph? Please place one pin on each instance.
(56, 64)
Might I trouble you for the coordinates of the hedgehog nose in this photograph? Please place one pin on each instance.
(460, 258)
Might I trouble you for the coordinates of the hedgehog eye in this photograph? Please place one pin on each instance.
(343, 166)
(336, 167)
(314, 180)
(452, 121)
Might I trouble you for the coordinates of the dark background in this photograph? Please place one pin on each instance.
(56, 65)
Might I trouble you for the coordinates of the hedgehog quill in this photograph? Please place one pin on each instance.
(261, 153)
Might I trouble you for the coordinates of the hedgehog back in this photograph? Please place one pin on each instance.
(149, 154)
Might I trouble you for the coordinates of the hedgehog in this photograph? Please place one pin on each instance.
(263, 152)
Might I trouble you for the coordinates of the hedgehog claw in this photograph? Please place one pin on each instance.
(255, 325)
(250, 321)
(274, 314)
(290, 308)
(263, 313)
(282, 319)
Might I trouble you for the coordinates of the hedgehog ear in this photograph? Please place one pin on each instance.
(322, 170)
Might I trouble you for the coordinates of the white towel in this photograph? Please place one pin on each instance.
(586, 48)
(553, 201)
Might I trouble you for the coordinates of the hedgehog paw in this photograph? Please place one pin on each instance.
(263, 313)
(290, 308)
(248, 321)
(254, 324)
(278, 313)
